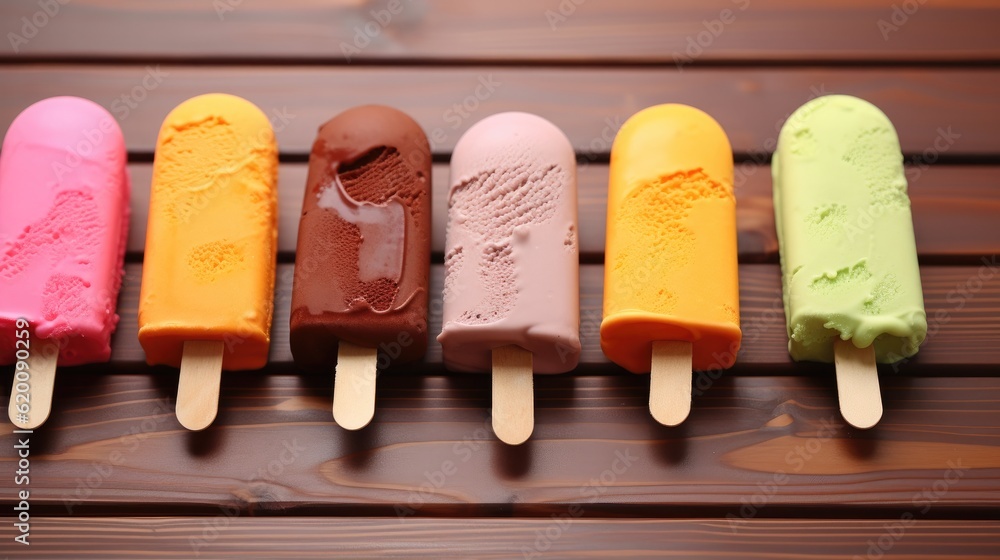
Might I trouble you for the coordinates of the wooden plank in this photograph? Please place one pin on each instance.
(954, 208)
(962, 305)
(927, 105)
(753, 447)
(563, 537)
(516, 30)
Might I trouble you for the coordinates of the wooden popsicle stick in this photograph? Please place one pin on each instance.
(43, 354)
(198, 388)
(857, 384)
(513, 394)
(354, 385)
(670, 382)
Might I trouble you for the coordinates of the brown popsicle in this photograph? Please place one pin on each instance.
(363, 256)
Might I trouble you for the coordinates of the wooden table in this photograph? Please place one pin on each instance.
(763, 467)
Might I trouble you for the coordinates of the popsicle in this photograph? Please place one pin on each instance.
(848, 257)
(511, 291)
(359, 298)
(208, 274)
(671, 295)
(64, 209)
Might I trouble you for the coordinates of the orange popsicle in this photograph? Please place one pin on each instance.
(208, 273)
(671, 266)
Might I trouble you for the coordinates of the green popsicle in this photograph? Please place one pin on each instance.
(848, 256)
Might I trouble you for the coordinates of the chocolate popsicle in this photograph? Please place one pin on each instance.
(363, 257)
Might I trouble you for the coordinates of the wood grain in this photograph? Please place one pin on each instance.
(564, 537)
(763, 467)
(589, 104)
(519, 31)
(962, 304)
(114, 447)
(954, 210)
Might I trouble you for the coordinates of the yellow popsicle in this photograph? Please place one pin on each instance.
(671, 262)
(208, 273)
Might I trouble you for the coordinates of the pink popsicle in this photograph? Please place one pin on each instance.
(64, 207)
(511, 262)
(511, 288)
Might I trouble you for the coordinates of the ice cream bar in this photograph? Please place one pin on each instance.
(363, 257)
(208, 273)
(848, 256)
(64, 208)
(511, 255)
(670, 275)
(511, 260)
(364, 239)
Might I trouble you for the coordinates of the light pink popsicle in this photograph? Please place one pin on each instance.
(64, 206)
(512, 261)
